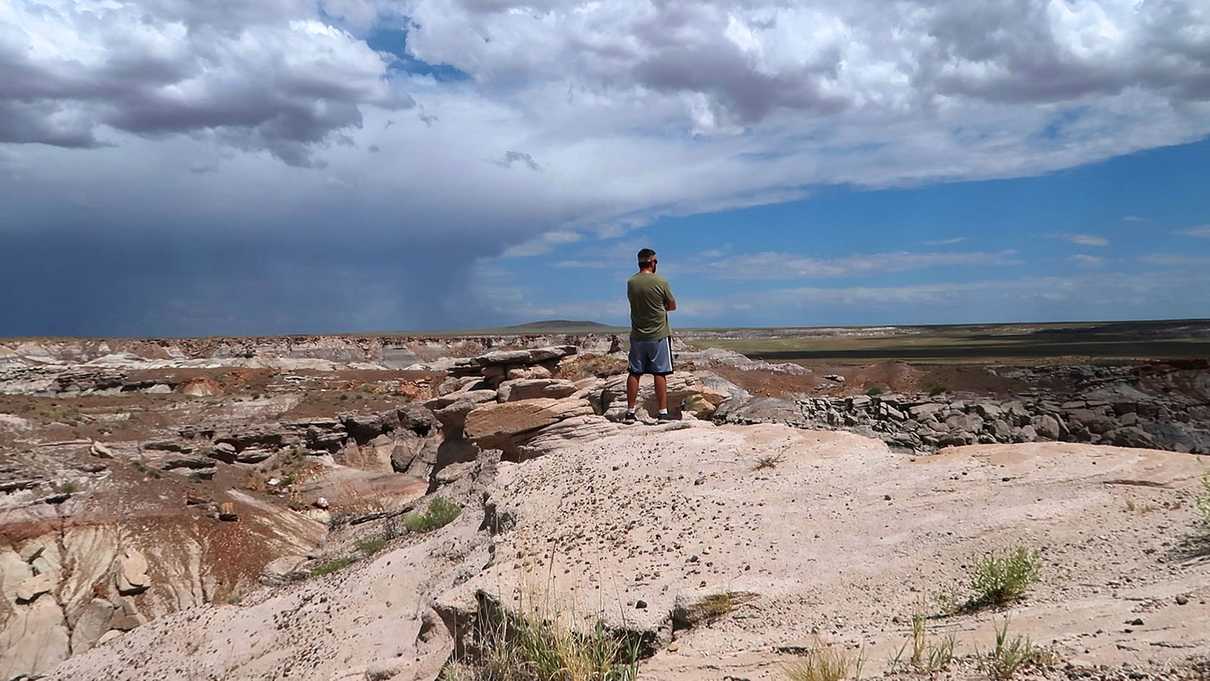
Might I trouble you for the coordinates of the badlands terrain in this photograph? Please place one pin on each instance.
(373, 507)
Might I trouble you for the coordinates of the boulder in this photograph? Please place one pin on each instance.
(186, 461)
(988, 410)
(366, 427)
(495, 425)
(455, 384)
(252, 455)
(35, 638)
(201, 386)
(222, 451)
(417, 418)
(1002, 430)
(964, 423)
(922, 412)
(1131, 436)
(1048, 427)
(132, 576)
(91, 625)
(529, 372)
(100, 451)
(284, 570)
(31, 587)
(530, 388)
(453, 415)
(1094, 421)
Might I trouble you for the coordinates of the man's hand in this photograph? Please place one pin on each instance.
(670, 304)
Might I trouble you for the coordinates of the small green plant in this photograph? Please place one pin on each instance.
(146, 470)
(334, 565)
(1203, 502)
(826, 663)
(67, 487)
(715, 606)
(1000, 578)
(1009, 655)
(874, 390)
(936, 389)
(441, 512)
(767, 462)
(369, 547)
(927, 657)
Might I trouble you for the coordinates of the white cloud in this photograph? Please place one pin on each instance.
(1085, 260)
(1201, 231)
(777, 265)
(946, 242)
(541, 245)
(1084, 239)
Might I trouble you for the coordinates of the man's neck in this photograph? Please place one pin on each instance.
(646, 270)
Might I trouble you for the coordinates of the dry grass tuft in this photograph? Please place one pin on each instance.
(1010, 655)
(1203, 502)
(540, 645)
(927, 657)
(826, 663)
(767, 462)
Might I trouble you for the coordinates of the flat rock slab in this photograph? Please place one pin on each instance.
(530, 388)
(490, 423)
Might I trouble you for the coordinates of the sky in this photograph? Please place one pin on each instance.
(170, 167)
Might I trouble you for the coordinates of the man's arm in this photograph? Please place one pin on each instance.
(669, 301)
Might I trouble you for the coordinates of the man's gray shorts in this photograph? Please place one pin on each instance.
(651, 357)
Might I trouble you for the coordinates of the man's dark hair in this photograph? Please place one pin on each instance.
(645, 257)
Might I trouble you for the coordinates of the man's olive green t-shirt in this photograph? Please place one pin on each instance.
(648, 317)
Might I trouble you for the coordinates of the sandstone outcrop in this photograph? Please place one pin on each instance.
(924, 423)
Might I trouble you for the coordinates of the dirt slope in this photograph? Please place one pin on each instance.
(839, 540)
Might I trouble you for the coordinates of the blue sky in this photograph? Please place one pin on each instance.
(1099, 241)
(297, 166)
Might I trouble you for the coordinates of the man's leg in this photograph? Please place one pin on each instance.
(632, 391)
(661, 392)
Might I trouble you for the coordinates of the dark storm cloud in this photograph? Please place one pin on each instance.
(85, 282)
(261, 75)
(724, 73)
(44, 122)
(511, 157)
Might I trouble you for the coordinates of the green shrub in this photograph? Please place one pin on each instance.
(369, 547)
(441, 512)
(1000, 578)
(334, 565)
(936, 389)
(874, 390)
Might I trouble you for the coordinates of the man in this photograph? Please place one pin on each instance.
(650, 338)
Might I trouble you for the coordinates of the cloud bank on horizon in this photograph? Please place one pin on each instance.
(258, 166)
